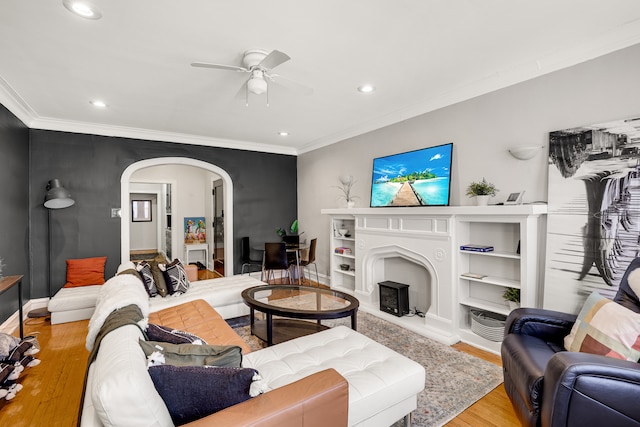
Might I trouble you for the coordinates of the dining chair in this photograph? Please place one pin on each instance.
(275, 258)
(311, 260)
(247, 261)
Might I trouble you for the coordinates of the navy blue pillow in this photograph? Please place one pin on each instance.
(193, 392)
(173, 336)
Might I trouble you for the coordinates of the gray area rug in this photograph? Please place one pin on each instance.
(454, 380)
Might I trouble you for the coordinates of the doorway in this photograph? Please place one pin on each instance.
(176, 215)
(218, 226)
(154, 234)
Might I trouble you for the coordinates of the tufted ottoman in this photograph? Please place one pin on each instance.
(383, 384)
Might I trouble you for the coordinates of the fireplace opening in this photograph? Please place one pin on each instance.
(402, 270)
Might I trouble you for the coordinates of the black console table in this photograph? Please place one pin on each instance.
(7, 283)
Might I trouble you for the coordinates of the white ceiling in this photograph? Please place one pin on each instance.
(421, 55)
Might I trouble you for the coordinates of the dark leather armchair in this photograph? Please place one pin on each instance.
(551, 387)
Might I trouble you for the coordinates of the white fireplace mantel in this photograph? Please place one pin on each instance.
(386, 242)
(528, 209)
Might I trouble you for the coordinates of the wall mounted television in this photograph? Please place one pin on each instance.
(415, 178)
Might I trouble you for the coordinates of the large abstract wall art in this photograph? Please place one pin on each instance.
(593, 223)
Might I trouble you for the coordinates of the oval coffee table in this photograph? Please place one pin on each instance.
(294, 305)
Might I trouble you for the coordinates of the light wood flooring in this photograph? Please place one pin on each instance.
(52, 390)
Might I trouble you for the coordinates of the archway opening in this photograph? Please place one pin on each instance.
(125, 189)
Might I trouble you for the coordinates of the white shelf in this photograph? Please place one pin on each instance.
(486, 305)
(348, 239)
(499, 254)
(345, 256)
(470, 337)
(345, 272)
(498, 281)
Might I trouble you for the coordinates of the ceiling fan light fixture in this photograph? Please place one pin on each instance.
(257, 85)
(82, 8)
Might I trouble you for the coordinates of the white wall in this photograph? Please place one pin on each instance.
(144, 235)
(192, 188)
(481, 129)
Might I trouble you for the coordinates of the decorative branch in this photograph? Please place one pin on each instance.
(346, 184)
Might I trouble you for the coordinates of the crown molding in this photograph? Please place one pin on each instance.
(14, 103)
(153, 135)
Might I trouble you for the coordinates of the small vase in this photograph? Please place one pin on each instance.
(351, 204)
(513, 305)
(482, 200)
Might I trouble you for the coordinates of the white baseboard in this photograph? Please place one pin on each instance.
(11, 324)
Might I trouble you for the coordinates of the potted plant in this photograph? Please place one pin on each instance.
(481, 191)
(346, 184)
(512, 295)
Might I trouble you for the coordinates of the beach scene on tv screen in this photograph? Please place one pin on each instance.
(415, 178)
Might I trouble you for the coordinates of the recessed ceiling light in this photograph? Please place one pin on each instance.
(283, 133)
(367, 88)
(82, 8)
(99, 104)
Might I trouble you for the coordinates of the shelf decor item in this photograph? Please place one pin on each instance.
(488, 325)
(346, 185)
(512, 296)
(476, 248)
(481, 191)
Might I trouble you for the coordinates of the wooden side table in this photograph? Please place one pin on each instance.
(7, 283)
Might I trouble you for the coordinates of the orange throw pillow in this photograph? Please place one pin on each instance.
(85, 272)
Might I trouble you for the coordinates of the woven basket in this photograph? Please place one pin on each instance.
(488, 325)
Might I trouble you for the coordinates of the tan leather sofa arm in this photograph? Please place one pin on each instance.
(319, 400)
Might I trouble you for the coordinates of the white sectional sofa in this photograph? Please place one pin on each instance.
(382, 384)
(223, 294)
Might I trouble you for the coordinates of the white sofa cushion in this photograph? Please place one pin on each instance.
(378, 377)
(218, 293)
(74, 298)
(121, 389)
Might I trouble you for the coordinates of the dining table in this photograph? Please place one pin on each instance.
(297, 249)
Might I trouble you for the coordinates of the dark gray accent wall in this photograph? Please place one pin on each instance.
(14, 207)
(90, 167)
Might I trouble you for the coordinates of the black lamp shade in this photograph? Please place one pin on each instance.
(57, 197)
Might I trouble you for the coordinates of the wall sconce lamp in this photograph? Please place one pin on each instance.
(526, 152)
(56, 197)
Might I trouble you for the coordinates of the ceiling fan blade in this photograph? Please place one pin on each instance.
(242, 92)
(219, 66)
(290, 84)
(274, 59)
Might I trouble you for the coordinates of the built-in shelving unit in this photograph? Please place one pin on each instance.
(512, 263)
(341, 278)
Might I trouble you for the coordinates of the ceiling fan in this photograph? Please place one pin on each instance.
(258, 64)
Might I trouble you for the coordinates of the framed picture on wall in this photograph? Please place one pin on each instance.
(141, 211)
(195, 230)
(594, 205)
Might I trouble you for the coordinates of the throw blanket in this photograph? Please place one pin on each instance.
(117, 292)
(129, 315)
